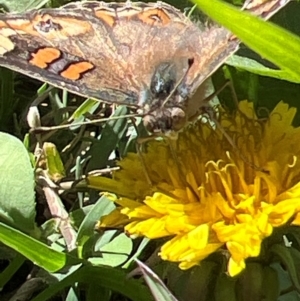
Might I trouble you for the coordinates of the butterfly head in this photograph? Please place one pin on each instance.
(166, 104)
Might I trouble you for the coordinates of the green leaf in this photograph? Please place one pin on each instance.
(72, 295)
(194, 284)
(54, 163)
(225, 288)
(106, 277)
(158, 288)
(11, 269)
(22, 5)
(115, 252)
(145, 241)
(87, 227)
(95, 291)
(88, 106)
(34, 250)
(7, 99)
(17, 197)
(249, 286)
(256, 68)
(112, 132)
(286, 255)
(271, 284)
(273, 42)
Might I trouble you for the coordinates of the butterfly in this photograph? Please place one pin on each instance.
(148, 56)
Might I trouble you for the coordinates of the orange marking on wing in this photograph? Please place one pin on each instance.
(3, 24)
(75, 70)
(104, 16)
(45, 56)
(151, 16)
(19, 25)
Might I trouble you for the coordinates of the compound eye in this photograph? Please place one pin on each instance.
(163, 80)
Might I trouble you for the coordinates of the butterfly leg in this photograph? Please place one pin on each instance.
(227, 84)
(211, 113)
(144, 166)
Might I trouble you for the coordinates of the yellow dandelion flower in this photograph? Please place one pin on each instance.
(205, 195)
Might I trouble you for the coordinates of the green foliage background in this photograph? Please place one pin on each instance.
(97, 268)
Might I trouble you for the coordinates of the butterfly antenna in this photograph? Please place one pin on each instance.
(39, 129)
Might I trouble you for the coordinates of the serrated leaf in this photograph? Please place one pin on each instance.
(17, 197)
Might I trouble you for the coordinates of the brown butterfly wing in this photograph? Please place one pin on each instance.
(110, 51)
(104, 51)
(215, 45)
(56, 46)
